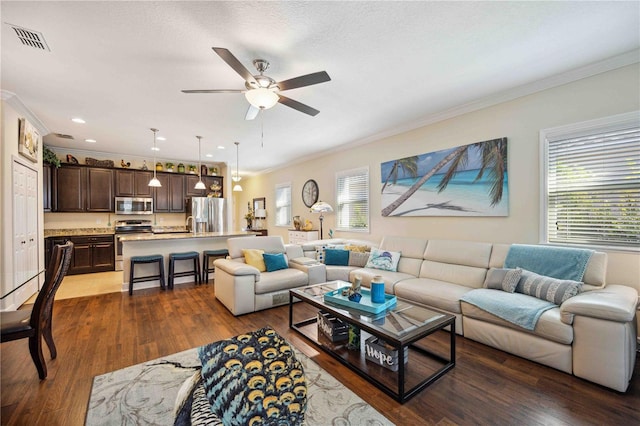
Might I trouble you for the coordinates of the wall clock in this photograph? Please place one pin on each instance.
(310, 193)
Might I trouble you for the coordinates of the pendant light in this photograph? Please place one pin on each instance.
(200, 184)
(236, 178)
(154, 182)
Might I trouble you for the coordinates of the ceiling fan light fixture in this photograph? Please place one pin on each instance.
(262, 98)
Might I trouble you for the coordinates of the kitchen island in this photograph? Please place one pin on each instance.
(166, 243)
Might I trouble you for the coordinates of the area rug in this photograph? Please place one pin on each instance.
(145, 394)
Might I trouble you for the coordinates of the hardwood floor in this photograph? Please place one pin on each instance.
(98, 334)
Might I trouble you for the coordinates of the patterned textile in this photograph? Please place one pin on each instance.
(384, 260)
(547, 288)
(358, 259)
(254, 379)
(503, 279)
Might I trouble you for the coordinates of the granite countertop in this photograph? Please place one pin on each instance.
(77, 231)
(184, 235)
(169, 229)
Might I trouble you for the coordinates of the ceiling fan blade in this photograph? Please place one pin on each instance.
(234, 63)
(297, 105)
(304, 80)
(252, 112)
(213, 91)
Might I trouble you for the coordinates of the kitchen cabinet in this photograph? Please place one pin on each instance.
(99, 190)
(169, 198)
(301, 237)
(47, 181)
(191, 180)
(133, 183)
(83, 189)
(92, 254)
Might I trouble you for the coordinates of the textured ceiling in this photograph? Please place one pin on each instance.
(121, 66)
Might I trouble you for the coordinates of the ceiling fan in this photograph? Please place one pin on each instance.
(263, 92)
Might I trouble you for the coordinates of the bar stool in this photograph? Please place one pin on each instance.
(211, 254)
(136, 260)
(188, 255)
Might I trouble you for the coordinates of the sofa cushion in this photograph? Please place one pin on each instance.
(547, 288)
(383, 259)
(390, 278)
(502, 279)
(549, 325)
(434, 293)
(275, 261)
(412, 250)
(336, 257)
(468, 253)
(469, 276)
(268, 244)
(254, 258)
(338, 272)
(283, 279)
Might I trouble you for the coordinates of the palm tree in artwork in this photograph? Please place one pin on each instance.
(494, 162)
(409, 166)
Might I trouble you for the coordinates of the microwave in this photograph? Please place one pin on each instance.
(130, 205)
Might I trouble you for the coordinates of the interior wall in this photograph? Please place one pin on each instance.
(519, 120)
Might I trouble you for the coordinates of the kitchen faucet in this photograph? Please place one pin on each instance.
(186, 224)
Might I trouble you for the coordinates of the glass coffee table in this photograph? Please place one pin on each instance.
(375, 341)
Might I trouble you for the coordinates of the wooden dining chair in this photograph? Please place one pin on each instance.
(35, 323)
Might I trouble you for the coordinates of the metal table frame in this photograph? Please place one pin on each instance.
(401, 395)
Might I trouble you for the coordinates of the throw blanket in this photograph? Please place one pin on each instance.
(558, 262)
(516, 308)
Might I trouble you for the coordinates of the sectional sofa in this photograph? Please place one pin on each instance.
(591, 335)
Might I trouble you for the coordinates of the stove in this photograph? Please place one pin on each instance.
(129, 227)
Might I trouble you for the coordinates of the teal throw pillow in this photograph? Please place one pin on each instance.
(336, 257)
(275, 262)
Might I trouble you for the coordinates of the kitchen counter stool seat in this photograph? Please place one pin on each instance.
(137, 260)
(188, 255)
(206, 267)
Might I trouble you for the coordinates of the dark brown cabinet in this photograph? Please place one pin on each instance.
(170, 197)
(99, 190)
(47, 182)
(83, 189)
(209, 181)
(92, 254)
(133, 183)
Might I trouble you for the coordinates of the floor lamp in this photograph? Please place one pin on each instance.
(321, 207)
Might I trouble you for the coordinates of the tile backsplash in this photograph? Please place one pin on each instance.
(107, 220)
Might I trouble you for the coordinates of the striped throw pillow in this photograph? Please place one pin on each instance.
(547, 288)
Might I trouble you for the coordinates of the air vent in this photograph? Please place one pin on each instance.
(30, 38)
(62, 136)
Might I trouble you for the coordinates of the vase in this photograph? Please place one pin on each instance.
(248, 224)
(297, 223)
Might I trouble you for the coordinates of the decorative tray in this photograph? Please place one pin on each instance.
(365, 303)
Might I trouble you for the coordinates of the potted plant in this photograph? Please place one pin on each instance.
(169, 166)
(192, 169)
(49, 157)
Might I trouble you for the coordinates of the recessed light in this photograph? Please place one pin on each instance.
(155, 148)
(78, 120)
(91, 140)
(220, 147)
(161, 138)
(208, 155)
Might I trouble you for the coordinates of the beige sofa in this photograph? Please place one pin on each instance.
(591, 335)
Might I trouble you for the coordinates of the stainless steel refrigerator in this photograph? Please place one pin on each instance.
(209, 214)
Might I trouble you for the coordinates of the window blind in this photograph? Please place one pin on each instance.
(283, 204)
(352, 189)
(593, 187)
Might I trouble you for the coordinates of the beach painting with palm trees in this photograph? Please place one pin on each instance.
(468, 180)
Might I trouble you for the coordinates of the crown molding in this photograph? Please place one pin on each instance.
(13, 100)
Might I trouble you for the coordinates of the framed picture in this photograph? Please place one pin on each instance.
(29, 140)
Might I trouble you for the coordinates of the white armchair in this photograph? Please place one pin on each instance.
(242, 288)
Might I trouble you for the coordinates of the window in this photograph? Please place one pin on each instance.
(592, 191)
(283, 204)
(352, 189)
